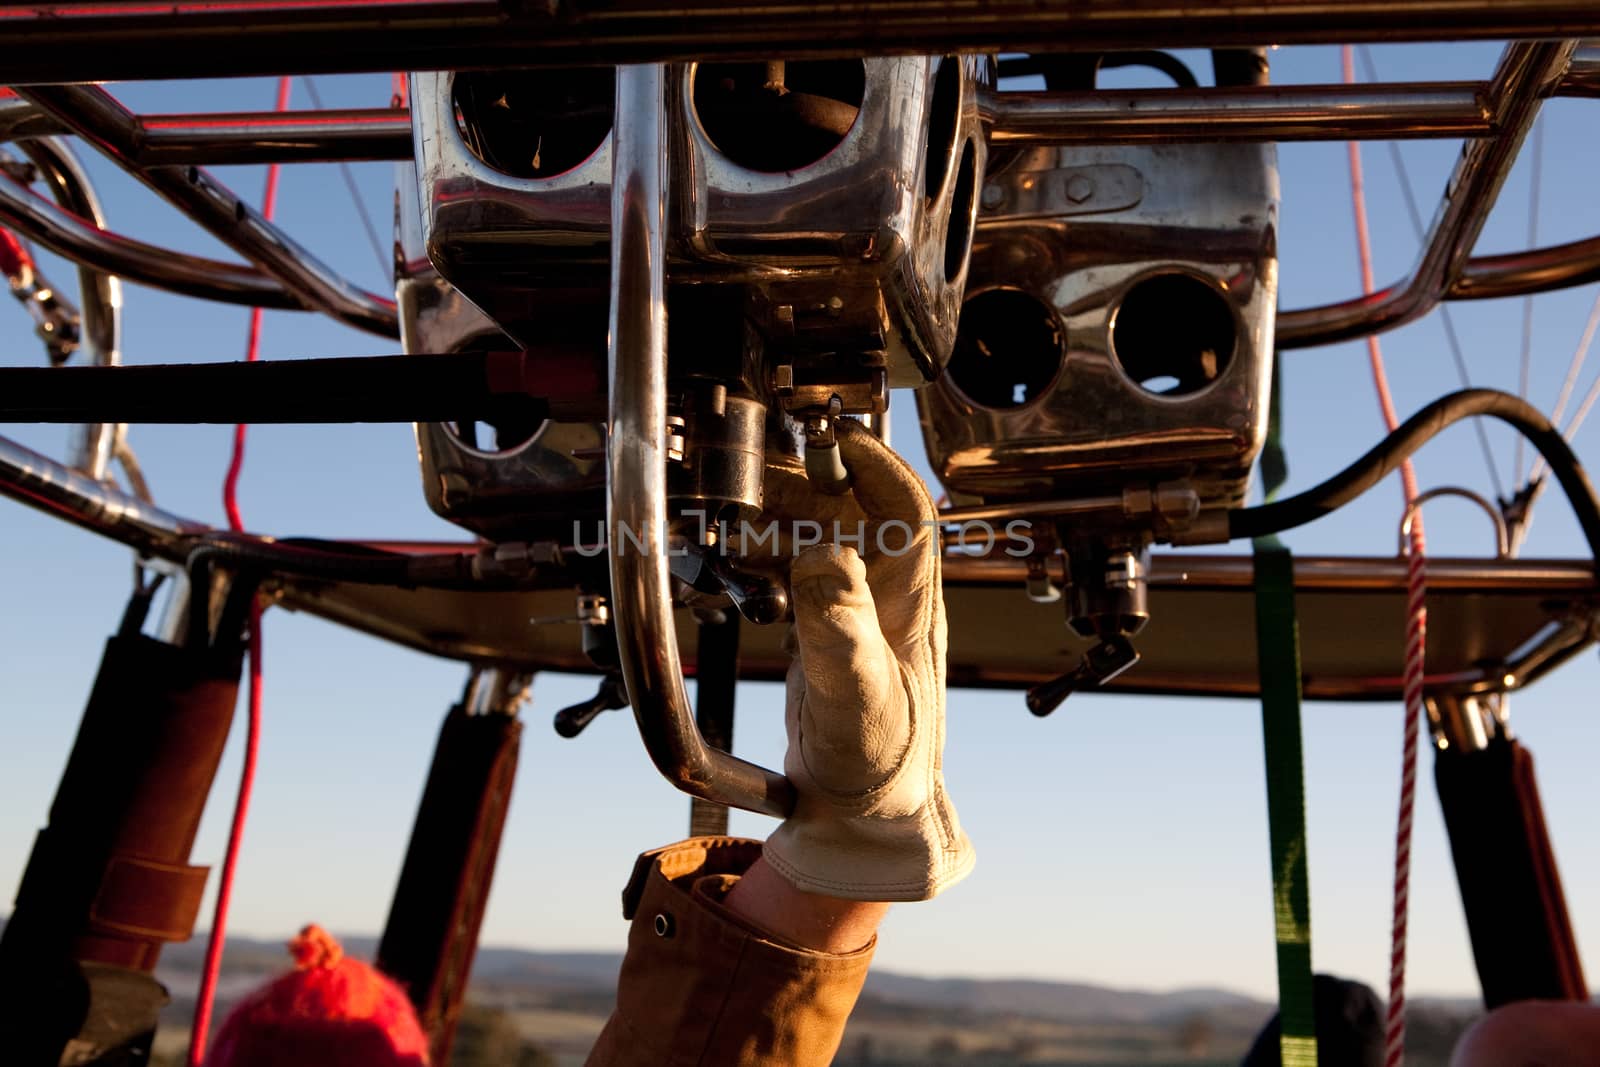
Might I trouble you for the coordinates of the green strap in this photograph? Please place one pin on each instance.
(1278, 666)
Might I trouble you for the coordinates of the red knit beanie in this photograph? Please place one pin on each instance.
(330, 1010)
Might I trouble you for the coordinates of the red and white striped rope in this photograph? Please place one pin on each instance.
(1416, 640)
(1394, 1035)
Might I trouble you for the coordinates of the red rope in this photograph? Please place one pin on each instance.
(1416, 639)
(206, 997)
(15, 262)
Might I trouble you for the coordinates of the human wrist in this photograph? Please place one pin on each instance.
(767, 900)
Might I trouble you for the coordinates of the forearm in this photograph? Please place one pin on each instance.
(824, 924)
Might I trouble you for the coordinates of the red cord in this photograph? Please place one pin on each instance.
(1416, 639)
(14, 258)
(205, 999)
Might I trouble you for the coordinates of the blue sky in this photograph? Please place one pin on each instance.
(1122, 840)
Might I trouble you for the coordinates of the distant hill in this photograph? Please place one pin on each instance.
(557, 1002)
(597, 971)
(576, 972)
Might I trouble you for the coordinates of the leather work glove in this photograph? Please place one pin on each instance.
(865, 711)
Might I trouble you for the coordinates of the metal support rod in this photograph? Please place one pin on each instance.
(408, 388)
(1484, 277)
(716, 688)
(96, 116)
(78, 41)
(1583, 77)
(636, 483)
(1526, 75)
(59, 490)
(272, 137)
(350, 135)
(64, 233)
(1536, 270)
(1276, 113)
(99, 295)
(1246, 113)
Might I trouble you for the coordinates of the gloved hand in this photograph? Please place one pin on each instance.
(865, 709)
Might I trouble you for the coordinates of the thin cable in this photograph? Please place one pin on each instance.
(1583, 410)
(206, 998)
(1579, 354)
(1416, 636)
(384, 266)
(1534, 185)
(1409, 196)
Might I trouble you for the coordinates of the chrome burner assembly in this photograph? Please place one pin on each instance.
(818, 224)
(1111, 375)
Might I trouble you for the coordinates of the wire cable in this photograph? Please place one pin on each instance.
(1584, 406)
(1408, 194)
(1579, 355)
(1534, 185)
(206, 997)
(384, 266)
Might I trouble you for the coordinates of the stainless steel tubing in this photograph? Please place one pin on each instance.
(19, 118)
(269, 137)
(100, 295)
(1246, 113)
(63, 493)
(326, 136)
(636, 484)
(67, 234)
(95, 115)
(69, 41)
(1583, 77)
(1526, 75)
(1534, 271)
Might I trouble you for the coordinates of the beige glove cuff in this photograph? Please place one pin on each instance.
(870, 859)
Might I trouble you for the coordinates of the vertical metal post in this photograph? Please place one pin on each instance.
(716, 684)
(636, 477)
(93, 446)
(432, 933)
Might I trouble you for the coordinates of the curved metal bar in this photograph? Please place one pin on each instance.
(1526, 74)
(1246, 113)
(1537, 270)
(96, 116)
(636, 483)
(67, 494)
(19, 118)
(1502, 536)
(100, 296)
(68, 235)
